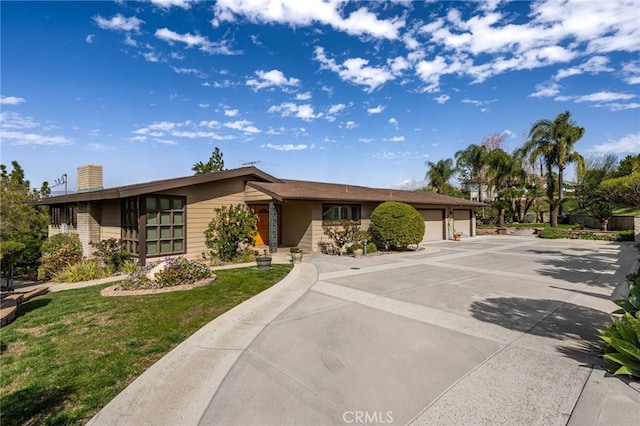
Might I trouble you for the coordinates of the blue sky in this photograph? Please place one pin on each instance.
(338, 91)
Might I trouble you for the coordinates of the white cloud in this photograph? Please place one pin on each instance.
(545, 90)
(195, 40)
(594, 65)
(335, 109)
(242, 125)
(287, 109)
(365, 140)
(231, 112)
(393, 122)
(129, 41)
(629, 143)
(191, 71)
(100, 147)
(477, 102)
(203, 105)
(376, 110)
(604, 96)
(287, 147)
(36, 134)
(350, 125)
(11, 100)
(211, 124)
(119, 23)
(89, 38)
(442, 99)
(355, 70)
(631, 72)
(273, 78)
(151, 56)
(298, 13)
(303, 96)
(395, 139)
(167, 4)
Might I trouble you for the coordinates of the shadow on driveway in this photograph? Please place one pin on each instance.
(574, 328)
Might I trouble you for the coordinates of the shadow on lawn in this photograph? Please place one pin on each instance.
(35, 405)
(573, 327)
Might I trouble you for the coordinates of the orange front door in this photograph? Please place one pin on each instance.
(263, 225)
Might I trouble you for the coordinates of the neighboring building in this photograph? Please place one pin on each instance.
(168, 217)
(479, 190)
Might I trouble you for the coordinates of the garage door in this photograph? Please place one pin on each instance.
(462, 222)
(433, 225)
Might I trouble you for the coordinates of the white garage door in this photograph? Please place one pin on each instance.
(433, 224)
(462, 222)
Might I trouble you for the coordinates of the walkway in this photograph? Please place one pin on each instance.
(490, 330)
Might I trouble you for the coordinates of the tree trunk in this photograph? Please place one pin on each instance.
(501, 217)
(560, 187)
(553, 216)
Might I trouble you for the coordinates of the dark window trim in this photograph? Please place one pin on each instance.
(350, 206)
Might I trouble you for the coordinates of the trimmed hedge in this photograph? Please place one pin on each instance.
(395, 224)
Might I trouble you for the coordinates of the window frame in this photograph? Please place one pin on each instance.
(353, 213)
(165, 225)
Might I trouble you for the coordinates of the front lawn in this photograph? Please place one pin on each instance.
(68, 354)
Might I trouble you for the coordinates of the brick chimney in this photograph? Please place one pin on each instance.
(89, 178)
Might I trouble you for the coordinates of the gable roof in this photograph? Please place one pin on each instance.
(250, 173)
(287, 189)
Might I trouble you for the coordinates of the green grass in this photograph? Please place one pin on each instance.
(68, 354)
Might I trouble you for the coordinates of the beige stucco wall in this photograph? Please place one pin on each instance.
(296, 225)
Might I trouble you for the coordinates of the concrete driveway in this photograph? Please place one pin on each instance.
(489, 330)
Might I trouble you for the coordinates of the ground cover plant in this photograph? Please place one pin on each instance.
(68, 354)
(622, 336)
(555, 233)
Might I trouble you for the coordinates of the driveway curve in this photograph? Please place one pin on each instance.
(489, 330)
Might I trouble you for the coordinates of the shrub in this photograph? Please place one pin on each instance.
(622, 349)
(180, 270)
(57, 241)
(631, 303)
(626, 235)
(10, 252)
(138, 279)
(395, 224)
(345, 235)
(553, 233)
(111, 252)
(60, 259)
(371, 248)
(84, 270)
(129, 266)
(231, 231)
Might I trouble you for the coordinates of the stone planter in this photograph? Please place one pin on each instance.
(263, 262)
(501, 231)
(358, 252)
(457, 237)
(296, 257)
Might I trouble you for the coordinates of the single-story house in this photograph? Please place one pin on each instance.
(168, 217)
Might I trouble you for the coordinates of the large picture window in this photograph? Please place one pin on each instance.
(333, 213)
(165, 226)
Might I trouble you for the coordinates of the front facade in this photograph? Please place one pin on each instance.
(169, 217)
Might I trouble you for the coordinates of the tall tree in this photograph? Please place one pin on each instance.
(439, 174)
(215, 163)
(505, 172)
(552, 141)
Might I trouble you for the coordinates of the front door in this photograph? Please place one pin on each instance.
(262, 211)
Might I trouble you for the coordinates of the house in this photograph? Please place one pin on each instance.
(168, 217)
(479, 190)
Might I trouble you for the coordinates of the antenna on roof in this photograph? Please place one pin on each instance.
(250, 163)
(61, 181)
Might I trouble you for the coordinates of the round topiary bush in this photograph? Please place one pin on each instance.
(395, 224)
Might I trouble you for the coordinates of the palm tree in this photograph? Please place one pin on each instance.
(439, 173)
(552, 141)
(504, 172)
(472, 161)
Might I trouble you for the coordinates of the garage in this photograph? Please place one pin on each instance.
(433, 225)
(462, 222)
